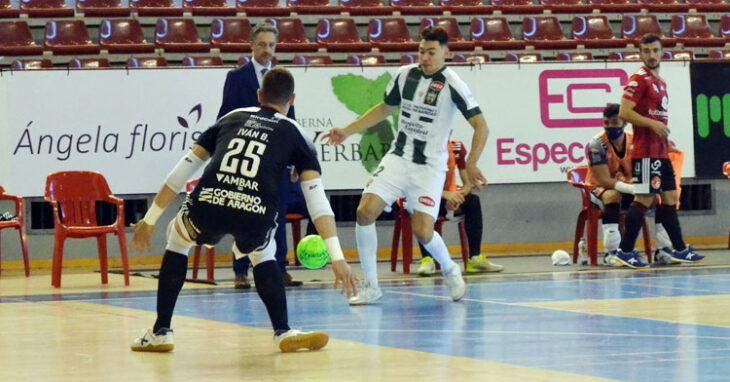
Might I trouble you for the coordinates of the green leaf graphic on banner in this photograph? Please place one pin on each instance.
(359, 94)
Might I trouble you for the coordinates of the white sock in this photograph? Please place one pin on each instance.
(611, 237)
(440, 253)
(662, 237)
(367, 249)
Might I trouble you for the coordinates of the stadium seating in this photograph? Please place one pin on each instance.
(493, 33)
(724, 27)
(678, 55)
(543, 32)
(230, 35)
(615, 6)
(406, 59)
(624, 56)
(7, 11)
(633, 27)
(466, 7)
(574, 56)
(73, 196)
(663, 5)
(16, 39)
(365, 8)
(146, 62)
(390, 35)
(292, 37)
(471, 58)
(708, 5)
(340, 35)
(243, 60)
(508, 7)
(313, 7)
(88, 63)
(567, 6)
(202, 61)
(178, 36)
(523, 57)
(123, 36)
(416, 7)
(595, 32)
(719, 55)
(31, 64)
(208, 8)
(366, 59)
(456, 40)
(17, 223)
(68, 37)
(312, 60)
(155, 8)
(45, 8)
(693, 30)
(262, 8)
(101, 8)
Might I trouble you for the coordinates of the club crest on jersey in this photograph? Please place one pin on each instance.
(426, 201)
(656, 182)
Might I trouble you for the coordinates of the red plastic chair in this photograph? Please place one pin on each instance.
(45, 8)
(471, 58)
(595, 32)
(192, 61)
(726, 171)
(416, 7)
(243, 60)
(493, 33)
(262, 8)
(615, 6)
(456, 40)
(292, 37)
(634, 27)
(231, 35)
(407, 59)
(708, 5)
(366, 59)
(719, 55)
(88, 63)
(402, 229)
(296, 232)
(208, 8)
(678, 55)
(523, 57)
(7, 11)
(390, 35)
(16, 40)
(340, 35)
(179, 36)
(312, 60)
(693, 30)
(624, 56)
(588, 219)
(466, 7)
(724, 27)
(101, 8)
(18, 224)
(123, 36)
(68, 37)
(574, 56)
(518, 7)
(32, 64)
(543, 32)
(313, 7)
(663, 5)
(73, 196)
(365, 8)
(209, 249)
(567, 6)
(155, 8)
(146, 62)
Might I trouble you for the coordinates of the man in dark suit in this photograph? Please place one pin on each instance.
(238, 92)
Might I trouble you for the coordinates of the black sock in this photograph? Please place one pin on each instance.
(270, 288)
(633, 223)
(610, 213)
(667, 215)
(173, 270)
(424, 251)
(473, 223)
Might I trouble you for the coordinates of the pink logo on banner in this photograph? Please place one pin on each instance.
(574, 83)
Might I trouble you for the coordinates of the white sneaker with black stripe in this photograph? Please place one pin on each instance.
(162, 341)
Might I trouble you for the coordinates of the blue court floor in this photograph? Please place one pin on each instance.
(622, 325)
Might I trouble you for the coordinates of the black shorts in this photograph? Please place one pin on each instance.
(207, 224)
(653, 175)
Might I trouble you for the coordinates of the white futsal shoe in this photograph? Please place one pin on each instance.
(455, 282)
(162, 341)
(293, 340)
(366, 294)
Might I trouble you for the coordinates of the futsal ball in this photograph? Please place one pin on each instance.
(312, 252)
(561, 257)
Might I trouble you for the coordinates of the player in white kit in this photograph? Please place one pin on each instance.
(429, 95)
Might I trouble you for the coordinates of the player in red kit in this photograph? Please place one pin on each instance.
(645, 105)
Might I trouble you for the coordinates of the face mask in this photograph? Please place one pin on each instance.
(614, 132)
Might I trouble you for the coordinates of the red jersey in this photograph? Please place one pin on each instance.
(650, 95)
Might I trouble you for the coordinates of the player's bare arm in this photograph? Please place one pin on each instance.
(478, 141)
(628, 114)
(376, 114)
(143, 229)
(324, 221)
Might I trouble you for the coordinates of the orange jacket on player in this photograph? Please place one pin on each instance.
(617, 167)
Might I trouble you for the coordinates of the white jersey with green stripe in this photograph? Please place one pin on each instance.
(428, 105)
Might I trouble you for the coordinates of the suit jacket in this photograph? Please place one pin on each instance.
(240, 90)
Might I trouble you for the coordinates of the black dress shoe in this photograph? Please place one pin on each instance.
(241, 282)
(289, 281)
